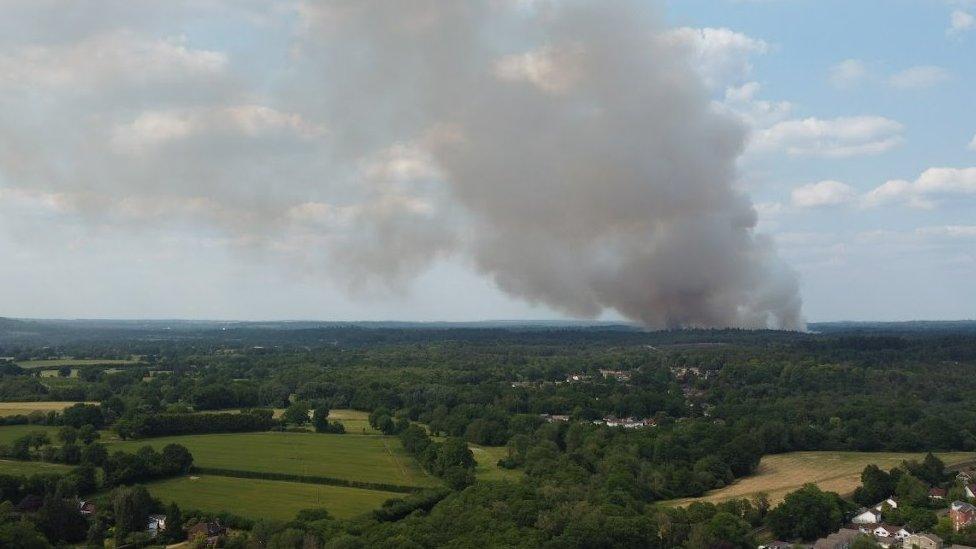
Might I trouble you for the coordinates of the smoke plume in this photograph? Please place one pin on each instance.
(567, 149)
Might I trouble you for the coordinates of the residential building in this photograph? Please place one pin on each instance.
(923, 541)
(961, 514)
(866, 516)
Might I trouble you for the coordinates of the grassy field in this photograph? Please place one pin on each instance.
(266, 498)
(488, 469)
(834, 471)
(9, 433)
(56, 373)
(354, 421)
(10, 467)
(376, 459)
(15, 408)
(58, 362)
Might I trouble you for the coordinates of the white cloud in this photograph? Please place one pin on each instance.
(848, 73)
(925, 192)
(824, 193)
(949, 231)
(743, 103)
(154, 128)
(721, 56)
(961, 21)
(919, 77)
(99, 59)
(834, 138)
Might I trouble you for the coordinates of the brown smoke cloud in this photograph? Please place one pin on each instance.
(565, 148)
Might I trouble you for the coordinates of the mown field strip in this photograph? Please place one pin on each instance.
(363, 458)
(834, 471)
(266, 499)
(27, 468)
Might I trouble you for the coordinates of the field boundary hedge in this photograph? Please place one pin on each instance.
(308, 479)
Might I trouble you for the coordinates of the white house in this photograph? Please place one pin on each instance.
(971, 490)
(891, 503)
(156, 524)
(866, 516)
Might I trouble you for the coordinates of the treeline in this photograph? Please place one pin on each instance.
(450, 460)
(157, 425)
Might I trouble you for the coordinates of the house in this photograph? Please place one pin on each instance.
(961, 514)
(890, 531)
(156, 524)
(87, 508)
(890, 502)
(552, 418)
(619, 375)
(971, 490)
(965, 477)
(842, 539)
(866, 516)
(209, 531)
(923, 541)
(937, 493)
(777, 545)
(626, 423)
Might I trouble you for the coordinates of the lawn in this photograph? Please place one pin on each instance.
(368, 458)
(487, 468)
(834, 471)
(269, 499)
(11, 467)
(9, 433)
(58, 362)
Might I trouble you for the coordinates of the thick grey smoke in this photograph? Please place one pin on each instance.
(567, 148)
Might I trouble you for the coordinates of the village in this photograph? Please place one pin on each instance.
(871, 526)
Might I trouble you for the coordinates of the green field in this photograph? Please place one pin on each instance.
(259, 499)
(368, 458)
(11, 467)
(9, 433)
(24, 408)
(58, 362)
(834, 471)
(487, 468)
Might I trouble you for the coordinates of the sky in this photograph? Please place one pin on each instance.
(211, 160)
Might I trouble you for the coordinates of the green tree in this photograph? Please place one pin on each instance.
(320, 419)
(68, 434)
(297, 413)
(807, 514)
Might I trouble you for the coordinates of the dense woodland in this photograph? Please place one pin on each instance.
(718, 400)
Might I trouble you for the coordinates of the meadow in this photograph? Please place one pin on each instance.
(268, 499)
(24, 408)
(834, 471)
(363, 458)
(59, 362)
(487, 468)
(9, 433)
(11, 467)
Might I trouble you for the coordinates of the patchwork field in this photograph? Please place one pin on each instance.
(10, 467)
(487, 468)
(58, 362)
(834, 471)
(18, 408)
(265, 498)
(377, 459)
(9, 433)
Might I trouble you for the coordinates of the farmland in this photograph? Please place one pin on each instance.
(834, 471)
(11, 467)
(24, 408)
(9, 433)
(265, 498)
(362, 458)
(59, 362)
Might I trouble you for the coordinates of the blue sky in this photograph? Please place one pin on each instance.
(175, 159)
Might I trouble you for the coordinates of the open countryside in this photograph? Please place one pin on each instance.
(361, 458)
(266, 499)
(839, 472)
